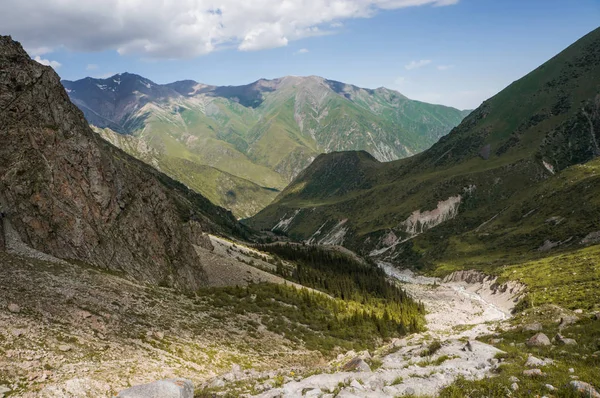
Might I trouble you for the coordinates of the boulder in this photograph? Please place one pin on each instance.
(584, 389)
(514, 386)
(567, 320)
(356, 365)
(533, 327)
(534, 373)
(539, 340)
(559, 339)
(170, 388)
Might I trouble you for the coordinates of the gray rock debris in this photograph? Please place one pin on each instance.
(14, 308)
(169, 388)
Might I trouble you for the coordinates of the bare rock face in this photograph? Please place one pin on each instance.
(68, 193)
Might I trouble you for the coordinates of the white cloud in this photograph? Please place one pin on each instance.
(38, 50)
(47, 62)
(399, 81)
(336, 25)
(91, 67)
(417, 64)
(445, 67)
(183, 28)
(301, 51)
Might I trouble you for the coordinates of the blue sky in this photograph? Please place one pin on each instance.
(456, 54)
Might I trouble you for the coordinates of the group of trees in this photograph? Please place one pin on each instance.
(365, 298)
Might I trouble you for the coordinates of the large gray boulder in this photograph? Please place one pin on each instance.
(170, 388)
(539, 340)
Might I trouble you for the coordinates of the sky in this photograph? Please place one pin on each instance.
(452, 52)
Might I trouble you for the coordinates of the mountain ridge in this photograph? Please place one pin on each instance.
(265, 132)
(465, 195)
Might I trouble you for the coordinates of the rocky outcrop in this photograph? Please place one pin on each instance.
(171, 388)
(70, 194)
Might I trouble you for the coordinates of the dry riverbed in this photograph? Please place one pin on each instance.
(459, 310)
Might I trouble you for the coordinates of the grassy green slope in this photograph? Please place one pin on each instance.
(242, 196)
(494, 160)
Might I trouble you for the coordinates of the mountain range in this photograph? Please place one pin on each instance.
(517, 179)
(240, 145)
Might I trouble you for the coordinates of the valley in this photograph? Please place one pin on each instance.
(298, 237)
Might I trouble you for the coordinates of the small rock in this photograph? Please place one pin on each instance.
(171, 388)
(83, 314)
(64, 348)
(356, 364)
(314, 393)
(514, 386)
(18, 332)
(578, 311)
(159, 335)
(567, 320)
(584, 389)
(468, 347)
(496, 341)
(216, 383)
(533, 362)
(14, 308)
(539, 340)
(533, 327)
(514, 379)
(550, 387)
(596, 316)
(3, 390)
(356, 384)
(534, 373)
(563, 340)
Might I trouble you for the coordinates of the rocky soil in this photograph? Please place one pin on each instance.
(74, 331)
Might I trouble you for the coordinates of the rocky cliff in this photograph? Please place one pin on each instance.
(68, 193)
